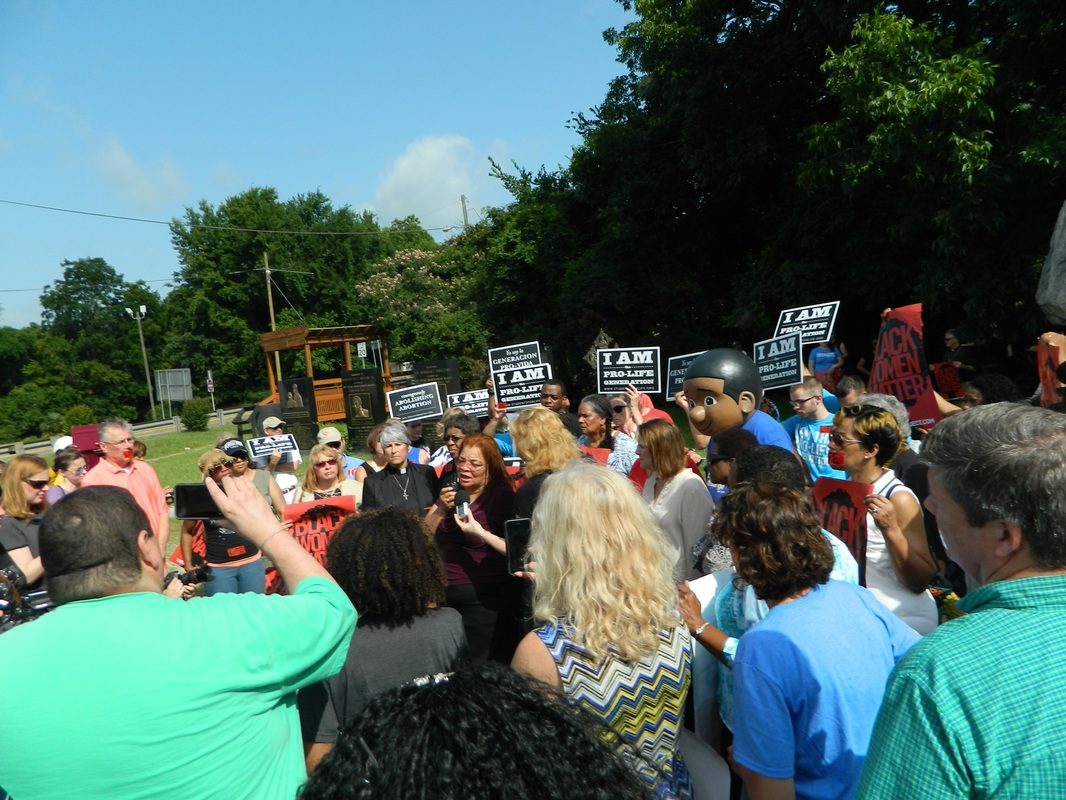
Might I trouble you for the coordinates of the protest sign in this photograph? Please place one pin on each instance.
(779, 360)
(475, 403)
(616, 367)
(518, 372)
(813, 323)
(946, 379)
(313, 525)
(900, 368)
(265, 445)
(676, 367)
(413, 403)
(841, 507)
(1048, 358)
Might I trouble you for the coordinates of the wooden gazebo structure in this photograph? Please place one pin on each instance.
(329, 395)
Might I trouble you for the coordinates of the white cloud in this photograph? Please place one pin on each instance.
(427, 179)
(145, 188)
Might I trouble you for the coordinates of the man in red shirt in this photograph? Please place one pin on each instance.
(118, 468)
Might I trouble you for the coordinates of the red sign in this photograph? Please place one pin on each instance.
(946, 378)
(841, 506)
(313, 525)
(1047, 361)
(899, 364)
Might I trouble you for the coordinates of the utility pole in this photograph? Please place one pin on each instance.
(466, 220)
(270, 305)
(142, 313)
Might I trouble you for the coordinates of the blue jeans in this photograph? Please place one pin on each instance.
(250, 577)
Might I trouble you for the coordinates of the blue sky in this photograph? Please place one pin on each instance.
(142, 109)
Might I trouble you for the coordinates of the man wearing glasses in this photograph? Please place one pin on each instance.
(810, 427)
(119, 468)
(332, 438)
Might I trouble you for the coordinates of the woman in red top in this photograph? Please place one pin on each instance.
(473, 551)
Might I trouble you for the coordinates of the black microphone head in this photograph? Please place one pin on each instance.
(461, 496)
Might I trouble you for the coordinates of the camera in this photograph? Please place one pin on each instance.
(198, 574)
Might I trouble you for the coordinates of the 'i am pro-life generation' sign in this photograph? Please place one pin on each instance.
(814, 323)
(475, 402)
(676, 367)
(616, 367)
(779, 361)
(518, 373)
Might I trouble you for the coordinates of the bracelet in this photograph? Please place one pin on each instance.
(271, 536)
(696, 633)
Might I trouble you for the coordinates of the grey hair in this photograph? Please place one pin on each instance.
(893, 405)
(1007, 461)
(112, 422)
(394, 432)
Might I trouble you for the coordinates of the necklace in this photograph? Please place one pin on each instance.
(403, 487)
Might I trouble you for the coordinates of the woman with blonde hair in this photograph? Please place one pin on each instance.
(611, 640)
(543, 442)
(25, 483)
(676, 495)
(324, 477)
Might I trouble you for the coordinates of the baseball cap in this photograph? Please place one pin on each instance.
(273, 422)
(62, 443)
(234, 447)
(327, 435)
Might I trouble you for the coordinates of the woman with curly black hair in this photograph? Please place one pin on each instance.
(809, 678)
(392, 573)
(483, 732)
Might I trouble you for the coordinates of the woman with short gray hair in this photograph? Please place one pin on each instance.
(401, 483)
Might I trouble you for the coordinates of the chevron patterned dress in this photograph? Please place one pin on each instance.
(643, 702)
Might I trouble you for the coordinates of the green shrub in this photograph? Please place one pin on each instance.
(80, 414)
(194, 414)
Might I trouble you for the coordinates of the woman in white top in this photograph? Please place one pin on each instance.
(677, 496)
(898, 565)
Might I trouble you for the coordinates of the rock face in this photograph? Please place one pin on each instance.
(1051, 291)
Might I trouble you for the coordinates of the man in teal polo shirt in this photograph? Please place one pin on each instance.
(978, 708)
(123, 693)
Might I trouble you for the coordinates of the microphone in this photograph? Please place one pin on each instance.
(462, 502)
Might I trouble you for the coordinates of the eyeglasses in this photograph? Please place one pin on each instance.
(837, 439)
(221, 464)
(454, 438)
(618, 409)
(329, 462)
(81, 470)
(38, 485)
(801, 401)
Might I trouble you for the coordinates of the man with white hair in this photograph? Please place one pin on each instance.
(978, 707)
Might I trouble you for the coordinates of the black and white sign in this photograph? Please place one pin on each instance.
(815, 323)
(779, 360)
(520, 388)
(265, 445)
(475, 403)
(676, 367)
(513, 356)
(618, 366)
(413, 403)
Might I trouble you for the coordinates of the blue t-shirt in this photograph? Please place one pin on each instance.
(831, 402)
(765, 429)
(811, 438)
(823, 359)
(808, 682)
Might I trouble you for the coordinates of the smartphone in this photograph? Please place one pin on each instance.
(516, 535)
(192, 501)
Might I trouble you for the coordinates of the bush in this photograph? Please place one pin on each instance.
(80, 414)
(194, 414)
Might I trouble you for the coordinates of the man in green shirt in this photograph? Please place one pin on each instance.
(978, 708)
(123, 693)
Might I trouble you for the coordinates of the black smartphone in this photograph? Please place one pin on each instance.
(192, 501)
(516, 535)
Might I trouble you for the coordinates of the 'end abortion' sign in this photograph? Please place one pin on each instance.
(779, 361)
(616, 367)
(413, 403)
(814, 323)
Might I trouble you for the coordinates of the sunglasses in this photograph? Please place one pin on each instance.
(329, 462)
(38, 485)
(221, 464)
(81, 470)
(454, 438)
(840, 441)
(618, 409)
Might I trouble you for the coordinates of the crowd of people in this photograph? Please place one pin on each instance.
(681, 623)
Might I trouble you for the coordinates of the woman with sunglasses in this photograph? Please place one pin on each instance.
(898, 565)
(236, 564)
(70, 469)
(325, 479)
(261, 478)
(25, 483)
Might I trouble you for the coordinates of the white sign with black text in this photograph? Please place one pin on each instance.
(814, 323)
(779, 361)
(413, 403)
(265, 445)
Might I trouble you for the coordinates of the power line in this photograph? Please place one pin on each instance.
(139, 280)
(382, 232)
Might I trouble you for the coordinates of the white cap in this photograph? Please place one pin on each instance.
(62, 443)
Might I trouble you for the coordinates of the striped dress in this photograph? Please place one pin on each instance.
(643, 702)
